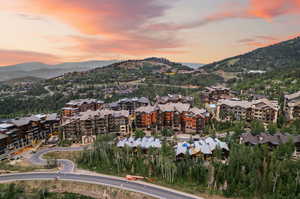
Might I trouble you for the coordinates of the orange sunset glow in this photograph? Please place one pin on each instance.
(54, 31)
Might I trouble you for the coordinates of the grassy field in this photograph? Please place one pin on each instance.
(70, 155)
(19, 166)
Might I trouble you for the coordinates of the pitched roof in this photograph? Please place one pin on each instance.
(101, 113)
(24, 120)
(204, 145)
(265, 138)
(146, 109)
(170, 107)
(145, 142)
(52, 116)
(135, 99)
(261, 103)
(198, 111)
(79, 102)
(173, 97)
(292, 96)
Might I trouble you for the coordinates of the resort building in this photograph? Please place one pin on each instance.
(174, 99)
(292, 106)
(204, 147)
(86, 125)
(175, 116)
(262, 110)
(27, 131)
(213, 94)
(146, 117)
(271, 140)
(81, 105)
(129, 104)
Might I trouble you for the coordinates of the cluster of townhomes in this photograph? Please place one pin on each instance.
(82, 120)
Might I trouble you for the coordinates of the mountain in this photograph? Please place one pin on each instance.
(45, 71)
(281, 55)
(151, 64)
(149, 71)
(193, 65)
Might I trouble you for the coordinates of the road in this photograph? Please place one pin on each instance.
(50, 91)
(147, 189)
(67, 173)
(67, 165)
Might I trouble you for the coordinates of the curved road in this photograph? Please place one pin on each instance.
(144, 188)
(67, 174)
(67, 165)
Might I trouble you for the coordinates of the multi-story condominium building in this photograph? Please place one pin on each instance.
(176, 116)
(170, 115)
(86, 125)
(263, 110)
(292, 106)
(26, 131)
(174, 99)
(214, 94)
(146, 117)
(3, 146)
(194, 120)
(129, 104)
(81, 105)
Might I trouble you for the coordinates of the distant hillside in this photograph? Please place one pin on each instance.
(150, 70)
(45, 71)
(193, 65)
(151, 64)
(281, 55)
(28, 79)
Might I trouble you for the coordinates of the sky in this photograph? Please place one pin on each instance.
(200, 31)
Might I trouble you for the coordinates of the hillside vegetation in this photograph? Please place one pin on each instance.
(281, 55)
(272, 84)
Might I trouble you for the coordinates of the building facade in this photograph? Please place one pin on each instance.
(213, 94)
(175, 99)
(129, 104)
(91, 123)
(81, 105)
(292, 106)
(175, 116)
(262, 110)
(27, 131)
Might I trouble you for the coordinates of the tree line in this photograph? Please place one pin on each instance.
(249, 171)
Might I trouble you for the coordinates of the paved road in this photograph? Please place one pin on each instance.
(67, 165)
(67, 173)
(50, 91)
(147, 189)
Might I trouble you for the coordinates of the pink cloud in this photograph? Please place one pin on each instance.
(132, 47)
(9, 57)
(120, 22)
(94, 17)
(263, 41)
(256, 9)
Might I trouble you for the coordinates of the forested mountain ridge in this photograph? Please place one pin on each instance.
(133, 78)
(45, 71)
(281, 55)
(149, 70)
